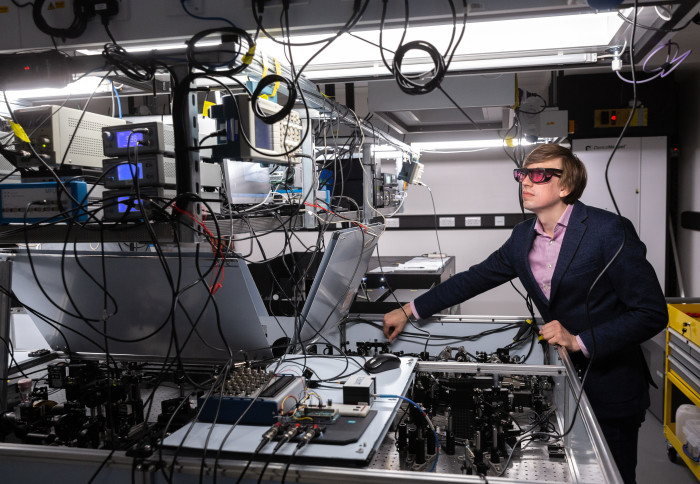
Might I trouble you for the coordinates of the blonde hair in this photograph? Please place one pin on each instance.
(574, 176)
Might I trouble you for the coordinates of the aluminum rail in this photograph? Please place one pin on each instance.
(79, 464)
(683, 300)
(488, 368)
(607, 464)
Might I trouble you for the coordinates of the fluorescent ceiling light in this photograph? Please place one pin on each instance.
(149, 47)
(84, 86)
(462, 145)
(502, 38)
(342, 70)
(386, 151)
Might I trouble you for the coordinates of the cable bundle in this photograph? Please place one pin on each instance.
(81, 15)
(427, 81)
(132, 68)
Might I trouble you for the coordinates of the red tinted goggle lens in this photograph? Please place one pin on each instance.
(537, 175)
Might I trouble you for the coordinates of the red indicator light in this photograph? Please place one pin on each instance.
(26, 68)
(613, 117)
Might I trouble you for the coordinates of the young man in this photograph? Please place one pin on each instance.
(557, 257)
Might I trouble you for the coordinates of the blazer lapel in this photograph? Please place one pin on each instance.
(572, 239)
(531, 283)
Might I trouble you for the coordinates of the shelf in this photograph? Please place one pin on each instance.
(112, 232)
(42, 234)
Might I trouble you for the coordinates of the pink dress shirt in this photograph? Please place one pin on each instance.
(544, 254)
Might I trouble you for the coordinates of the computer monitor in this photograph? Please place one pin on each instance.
(246, 182)
(337, 281)
(204, 328)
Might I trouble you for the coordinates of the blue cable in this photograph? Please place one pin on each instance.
(182, 2)
(119, 103)
(437, 441)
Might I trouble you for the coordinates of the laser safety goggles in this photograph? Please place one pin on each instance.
(537, 175)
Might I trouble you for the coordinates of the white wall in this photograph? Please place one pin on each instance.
(688, 183)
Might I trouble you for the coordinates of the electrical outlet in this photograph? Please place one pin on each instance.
(446, 221)
(472, 221)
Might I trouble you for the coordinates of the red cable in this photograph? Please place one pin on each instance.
(213, 287)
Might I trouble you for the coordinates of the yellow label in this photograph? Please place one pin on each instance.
(249, 56)
(19, 131)
(278, 70)
(61, 4)
(4, 9)
(205, 108)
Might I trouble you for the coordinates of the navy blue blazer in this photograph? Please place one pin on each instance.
(627, 305)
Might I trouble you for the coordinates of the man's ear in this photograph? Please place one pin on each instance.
(564, 191)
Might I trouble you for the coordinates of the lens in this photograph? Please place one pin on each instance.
(537, 175)
(519, 174)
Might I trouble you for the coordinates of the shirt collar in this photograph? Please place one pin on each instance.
(563, 221)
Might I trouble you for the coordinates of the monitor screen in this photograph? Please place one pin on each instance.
(127, 171)
(246, 182)
(263, 135)
(128, 136)
(337, 281)
(145, 320)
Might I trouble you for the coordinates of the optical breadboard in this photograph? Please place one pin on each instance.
(138, 138)
(39, 202)
(253, 396)
(149, 170)
(54, 129)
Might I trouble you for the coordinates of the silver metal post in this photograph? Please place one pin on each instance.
(367, 183)
(308, 173)
(6, 283)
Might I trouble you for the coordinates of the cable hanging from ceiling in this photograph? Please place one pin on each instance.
(428, 81)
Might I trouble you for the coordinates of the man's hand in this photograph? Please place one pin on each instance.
(395, 321)
(556, 334)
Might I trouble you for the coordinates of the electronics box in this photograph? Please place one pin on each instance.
(50, 130)
(358, 390)
(154, 170)
(124, 206)
(149, 137)
(38, 202)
